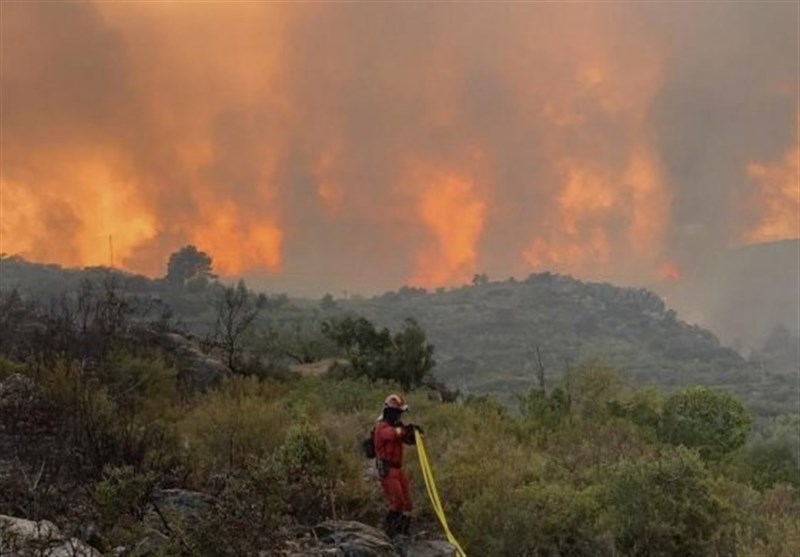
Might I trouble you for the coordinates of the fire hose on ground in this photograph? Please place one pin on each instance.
(433, 494)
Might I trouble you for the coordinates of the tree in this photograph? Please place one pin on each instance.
(367, 348)
(547, 410)
(327, 302)
(189, 263)
(591, 387)
(663, 507)
(301, 341)
(236, 308)
(712, 422)
(405, 357)
(412, 356)
(481, 279)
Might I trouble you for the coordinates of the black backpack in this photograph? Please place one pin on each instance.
(368, 445)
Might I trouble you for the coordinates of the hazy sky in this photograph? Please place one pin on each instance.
(362, 146)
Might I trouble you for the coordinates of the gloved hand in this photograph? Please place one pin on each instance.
(417, 428)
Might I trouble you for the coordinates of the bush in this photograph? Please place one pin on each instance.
(250, 515)
(663, 507)
(536, 519)
(406, 357)
(123, 498)
(308, 466)
(124, 493)
(225, 428)
(714, 423)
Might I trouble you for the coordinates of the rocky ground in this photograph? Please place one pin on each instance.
(27, 538)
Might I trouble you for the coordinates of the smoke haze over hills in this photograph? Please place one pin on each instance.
(365, 146)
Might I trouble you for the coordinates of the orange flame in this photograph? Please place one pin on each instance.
(671, 271)
(454, 215)
(776, 199)
(236, 126)
(87, 205)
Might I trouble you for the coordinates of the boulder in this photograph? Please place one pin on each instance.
(42, 538)
(196, 369)
(426, 548)
(150, 544)
(179, 507)
(202, 371)
(184, 501)
(17, 389)
(341, 538)
(352, 539)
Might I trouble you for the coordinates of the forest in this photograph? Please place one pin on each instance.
(183, 416)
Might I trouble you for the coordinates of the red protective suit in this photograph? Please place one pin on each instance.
(389, 441)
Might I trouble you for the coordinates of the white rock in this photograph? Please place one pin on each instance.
(22, 537)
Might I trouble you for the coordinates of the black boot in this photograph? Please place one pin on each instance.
(393, 524)
(405, 525)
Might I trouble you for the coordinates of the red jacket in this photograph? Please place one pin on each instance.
(389, 441)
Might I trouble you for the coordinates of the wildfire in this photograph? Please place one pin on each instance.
(611, 201)
(266, 133)
(86, 206)
(454, 215)
(776, 198)
(671, 271)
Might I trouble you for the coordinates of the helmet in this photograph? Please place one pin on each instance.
(395, 401)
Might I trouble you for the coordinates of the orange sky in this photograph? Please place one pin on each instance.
(365, 146)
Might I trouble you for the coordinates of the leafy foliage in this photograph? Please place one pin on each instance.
(405, 357)
(663, 507)
(714, 423)
(189, 263)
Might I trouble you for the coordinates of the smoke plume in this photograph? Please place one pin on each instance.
(364, 146)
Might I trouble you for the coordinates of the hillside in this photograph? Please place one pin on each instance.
(123, 432)
(487, 335)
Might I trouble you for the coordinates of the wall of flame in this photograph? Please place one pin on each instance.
(381, 144)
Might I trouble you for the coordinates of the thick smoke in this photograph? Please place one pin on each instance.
(363, 146)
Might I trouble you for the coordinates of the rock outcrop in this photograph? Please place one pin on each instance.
(353, 539)
(195, 369)
(29, 538)
(188, 504)
(343, 538)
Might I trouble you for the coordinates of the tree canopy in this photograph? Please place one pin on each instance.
(189, 263)
(405, 357)
(712, 422)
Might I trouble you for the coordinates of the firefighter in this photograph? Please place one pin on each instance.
(390, 435)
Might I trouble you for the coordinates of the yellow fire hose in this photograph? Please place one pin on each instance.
(433, 494)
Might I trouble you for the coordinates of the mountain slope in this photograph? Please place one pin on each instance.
(486, 336)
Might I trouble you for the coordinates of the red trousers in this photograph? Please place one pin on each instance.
(395, 487)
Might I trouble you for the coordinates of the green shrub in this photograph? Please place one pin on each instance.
(250, 515)
(406, 357)
(664, 506)
(712, 422)
(225, 428)
(124, 493)
(767, 523)
(309, 467)
(547, 411)
(123, 498)
(536, 519)
(590, 388)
